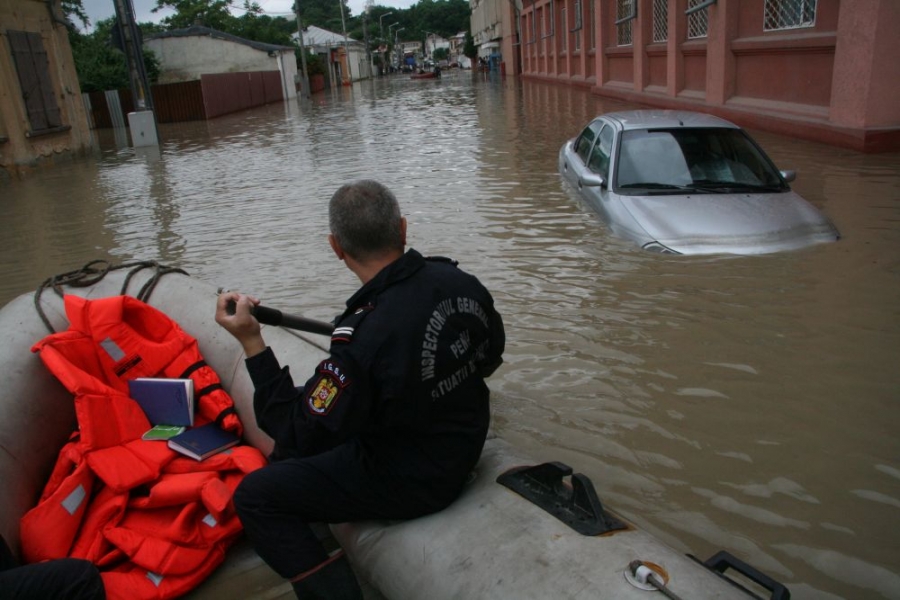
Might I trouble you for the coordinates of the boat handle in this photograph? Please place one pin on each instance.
(723, 560)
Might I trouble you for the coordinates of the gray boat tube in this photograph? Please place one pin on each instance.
(490, 543)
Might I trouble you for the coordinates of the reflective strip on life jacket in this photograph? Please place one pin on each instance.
(62, 508)
(156, 523)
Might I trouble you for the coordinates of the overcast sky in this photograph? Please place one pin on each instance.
(103, 9)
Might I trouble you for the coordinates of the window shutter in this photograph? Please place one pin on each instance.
(33, 68)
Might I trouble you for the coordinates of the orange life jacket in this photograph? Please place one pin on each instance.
(156, 523)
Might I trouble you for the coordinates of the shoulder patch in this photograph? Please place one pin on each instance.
(327, 389)
(343, 331)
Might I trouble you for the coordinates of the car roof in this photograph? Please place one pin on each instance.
(644, 119)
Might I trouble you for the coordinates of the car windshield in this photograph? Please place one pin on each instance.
(699, 160)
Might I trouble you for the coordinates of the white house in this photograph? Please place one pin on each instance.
(434, 42)
(186, 54)
(346, 57)
(457, 49)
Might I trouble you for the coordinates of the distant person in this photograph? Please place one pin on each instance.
(391, 424)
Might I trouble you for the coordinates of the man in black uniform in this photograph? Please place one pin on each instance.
(393, 421)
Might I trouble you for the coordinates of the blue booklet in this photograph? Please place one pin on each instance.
(164, 401)
(201, 442)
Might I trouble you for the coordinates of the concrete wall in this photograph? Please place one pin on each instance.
(187, 58)
(494, 25)
(22, 149)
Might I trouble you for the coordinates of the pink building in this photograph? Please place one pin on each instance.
(823, 70)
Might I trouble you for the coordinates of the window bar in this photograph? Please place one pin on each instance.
(630, 17)
(699, 7)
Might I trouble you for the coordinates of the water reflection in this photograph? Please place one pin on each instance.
(741, 403)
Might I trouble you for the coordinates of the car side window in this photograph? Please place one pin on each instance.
(599, 160)
(585, 141)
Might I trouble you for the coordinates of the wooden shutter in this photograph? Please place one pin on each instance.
(33, 68)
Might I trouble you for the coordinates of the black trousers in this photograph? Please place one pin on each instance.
(277, 503)
(63, 579)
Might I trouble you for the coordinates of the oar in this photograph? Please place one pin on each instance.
(273, 316)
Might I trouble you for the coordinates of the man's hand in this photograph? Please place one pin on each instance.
(233, 314)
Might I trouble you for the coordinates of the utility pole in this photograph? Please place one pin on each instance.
(141, 122)
(366, 38)
(346, 46)
(384, 57)
(305, 82)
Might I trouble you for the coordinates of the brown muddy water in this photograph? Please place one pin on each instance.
(743, 403)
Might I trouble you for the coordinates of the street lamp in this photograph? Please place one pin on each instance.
(389, 32)
(397, 46)
(381, 23)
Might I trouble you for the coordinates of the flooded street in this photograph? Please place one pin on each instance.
(750, 404)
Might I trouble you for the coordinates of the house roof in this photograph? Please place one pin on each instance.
(200, 31)
(316, 36)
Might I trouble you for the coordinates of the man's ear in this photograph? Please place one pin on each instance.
(338, 251)
(403, 230)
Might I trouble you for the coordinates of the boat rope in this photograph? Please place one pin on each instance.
(645, 575)
(96, 270)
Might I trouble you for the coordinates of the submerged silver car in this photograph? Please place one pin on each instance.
(681, 182)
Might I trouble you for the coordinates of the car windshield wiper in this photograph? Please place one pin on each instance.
(663, 188)
(708, 184)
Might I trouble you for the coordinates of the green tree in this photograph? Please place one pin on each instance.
(209, 13)
(323, 13)
(469, 49)
(73, 9)
(101, 66)
(444, 17)
(257, 26)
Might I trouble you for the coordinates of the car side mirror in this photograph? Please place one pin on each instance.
(591, 180)
(789, 175)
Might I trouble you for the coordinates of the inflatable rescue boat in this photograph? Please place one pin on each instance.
(519, 531)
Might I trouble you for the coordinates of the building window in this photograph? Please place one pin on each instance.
(547, 21)
(564, 36)
(789, 14)
(626, 11)
(698, 20)
(660, 20)
(530, 25)
(33, 68)
(576, 25)
(593, 26)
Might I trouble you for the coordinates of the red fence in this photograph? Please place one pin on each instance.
(225, 93)
(212, 96)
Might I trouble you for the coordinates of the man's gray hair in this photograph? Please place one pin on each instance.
(364, 217)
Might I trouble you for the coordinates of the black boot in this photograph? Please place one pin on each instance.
(332, 580)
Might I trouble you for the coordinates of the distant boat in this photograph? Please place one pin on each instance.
(426, 75)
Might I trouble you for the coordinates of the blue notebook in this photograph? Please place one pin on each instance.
(164, 401)
(201, 442)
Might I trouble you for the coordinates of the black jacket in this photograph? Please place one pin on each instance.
(404, 382)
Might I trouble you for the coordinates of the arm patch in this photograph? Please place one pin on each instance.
(327, 389)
